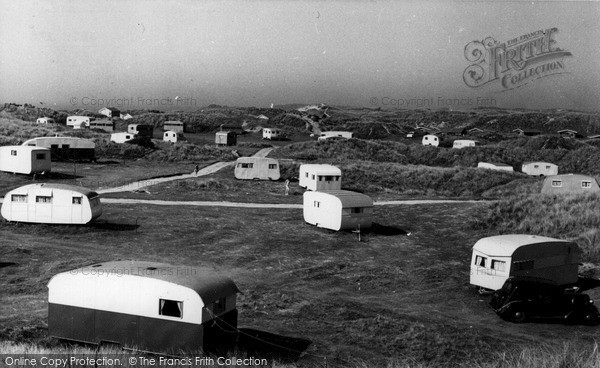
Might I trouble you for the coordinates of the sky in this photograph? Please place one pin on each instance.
(183, 55)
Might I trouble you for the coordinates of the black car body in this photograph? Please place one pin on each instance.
(524, 299)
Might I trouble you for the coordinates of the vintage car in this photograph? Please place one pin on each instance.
(527, 299)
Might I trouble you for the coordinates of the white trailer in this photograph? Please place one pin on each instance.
(149, 306)
(338, 209)
(496, 258)
(262, 168)
(79, 121)
(334, 134)
(430, 140)
(45, 120)
(25, 160)
(539, 168)
(171, 136)
(51, 203)
(320, 177)
(495, 166)
(272, 133)
(121, 137)
(462, 143)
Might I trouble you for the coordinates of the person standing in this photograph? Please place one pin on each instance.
(287, 186)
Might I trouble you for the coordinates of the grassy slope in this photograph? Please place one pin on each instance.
(574, 217)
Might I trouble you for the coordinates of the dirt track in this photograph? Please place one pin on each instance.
(210, 169)
(263, 205)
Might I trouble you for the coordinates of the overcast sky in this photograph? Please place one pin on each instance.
(69, 54)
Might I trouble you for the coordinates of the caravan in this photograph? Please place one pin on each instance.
(338, 209)
(65, 148)
(496, 258)
(320, 177)
(25, 160)
(262, 168)
(149, 306)
(51, 204)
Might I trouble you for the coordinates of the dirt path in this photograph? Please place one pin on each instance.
(210, 169)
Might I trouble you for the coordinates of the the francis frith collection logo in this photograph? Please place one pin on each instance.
(516, 62)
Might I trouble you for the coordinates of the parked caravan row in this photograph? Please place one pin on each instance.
(320, 177)
(496, 258)
(262, 168)
(149, 306)
(25, 160)
(51, 204)
(65, 148)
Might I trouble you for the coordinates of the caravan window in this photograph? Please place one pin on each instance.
(480, 261)
(13, 152)
(536, 166)
(547, 167)
(43, 199)
(498, 265)
(586, 183)
(557, 183)
(272, 166)
(76, 200)
(170, 308)
(356, 210)
(316, 203)
(247, 165)
(40, 156)
(523, 265)
(18, 198)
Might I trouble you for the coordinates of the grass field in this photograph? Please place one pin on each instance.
(398, 298)
(390, 296)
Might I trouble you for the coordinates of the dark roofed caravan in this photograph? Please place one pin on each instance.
(66, 148)
(153, 307)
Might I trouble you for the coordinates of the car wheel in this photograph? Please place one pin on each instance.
(518, 317)
(592, 318)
